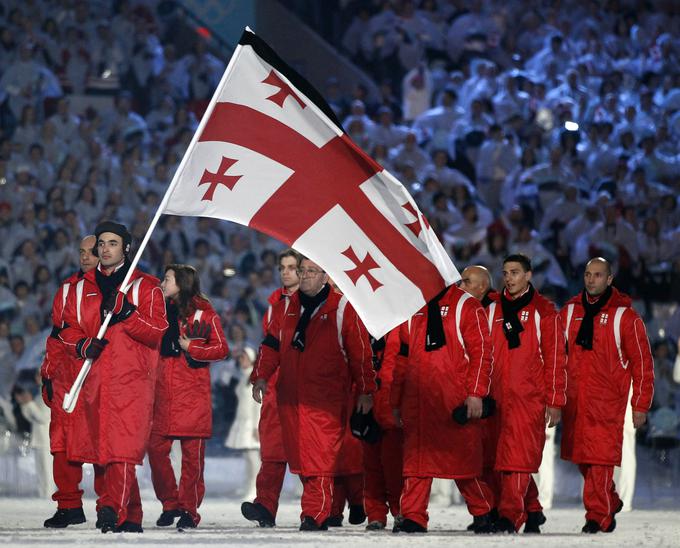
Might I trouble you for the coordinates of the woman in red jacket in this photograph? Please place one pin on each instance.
(182, 408)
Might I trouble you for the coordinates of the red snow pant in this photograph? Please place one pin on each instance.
(191, 486)
(599, 493)
(347, 488)
(269, 483)
(416, 496)
(519, 495)
(116, 486)
(383, 481)
(67, 477)
(531, 500)
(317, 497)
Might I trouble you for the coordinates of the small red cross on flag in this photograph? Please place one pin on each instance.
(270, 154)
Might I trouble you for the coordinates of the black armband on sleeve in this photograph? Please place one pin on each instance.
(403, 350)
(55, 332)
(271, 341)
(195, 364)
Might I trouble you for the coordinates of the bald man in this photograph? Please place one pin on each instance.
(476, 280)
(609, 363)
(59, 370)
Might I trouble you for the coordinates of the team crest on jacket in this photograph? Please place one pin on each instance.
(604, 319)
(525, 315)
(444, 310)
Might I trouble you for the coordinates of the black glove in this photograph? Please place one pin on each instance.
(120, 308)
(198, 331)
(459, 414)
(364, 427)
(195, 364)
(47, 387)
(170, 345)
(90, 348)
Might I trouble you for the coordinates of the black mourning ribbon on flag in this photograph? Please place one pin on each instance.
(309, 304)
(435, 337)
(512, 327)
(584, 337)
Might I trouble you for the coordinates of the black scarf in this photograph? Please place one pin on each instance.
(170, 342)
(584, 337)
(512, 327)
(310, 304)
(109, 284)
(486, 300)
(435, 337)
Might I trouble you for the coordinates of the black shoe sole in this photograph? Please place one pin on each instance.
(65, 525)
(250, 512)
(74, 521)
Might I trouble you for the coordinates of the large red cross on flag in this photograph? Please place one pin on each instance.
(270, 154)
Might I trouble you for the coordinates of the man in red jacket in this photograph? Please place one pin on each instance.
(449, 366)
(528, 384)
(319, 346)
(608, 349)
(383, 460)
(112, 419)
(273, 468)
(58, 371)
(477, 281)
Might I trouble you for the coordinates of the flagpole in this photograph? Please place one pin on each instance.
(71, 397)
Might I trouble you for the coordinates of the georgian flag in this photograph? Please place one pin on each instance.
(270, 154)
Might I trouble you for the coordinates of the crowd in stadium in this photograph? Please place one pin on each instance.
(544, 128)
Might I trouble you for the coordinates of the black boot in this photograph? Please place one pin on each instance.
(167, 518)
(186, 521)
(107, 519)
(254, 511)
(493, 516)
(484, 524)
(611, 527)
(591, 527)
(356, 514)
(534, 521)
(410, 526)
(333, 521)
(130, 527)
(308, 524)
(398, 520)
(375, 526)
(504, 525)
(64, 517)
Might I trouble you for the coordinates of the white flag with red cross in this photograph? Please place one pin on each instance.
(270, 154)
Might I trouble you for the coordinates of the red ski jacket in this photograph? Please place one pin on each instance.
(112, 419)
(183, 404)
(430, 385)
(60, 367)
(269, 427)
(600, 380)
(382, 408)
(314, 386)
(525, 381)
